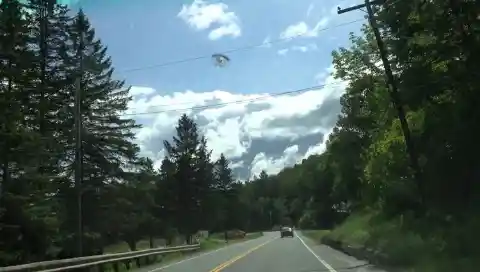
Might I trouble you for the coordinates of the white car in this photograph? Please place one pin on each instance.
(286, 232)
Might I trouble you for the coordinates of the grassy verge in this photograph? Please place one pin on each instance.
(207, 244)
(253, 235)
(315, 235)
(408, 244)
(123, 247)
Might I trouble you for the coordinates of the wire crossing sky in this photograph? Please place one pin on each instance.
(163, 51)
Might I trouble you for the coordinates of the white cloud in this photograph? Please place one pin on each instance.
(201, 15)
(299, 48)
(272, 166)
(234, 128)
(320, 147)
(138, 91)
(282, 52)
(305, 48)
(302, 29)
(267, 42)
(310, 9)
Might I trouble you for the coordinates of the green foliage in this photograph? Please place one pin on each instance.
(432, 51)
(361, 186)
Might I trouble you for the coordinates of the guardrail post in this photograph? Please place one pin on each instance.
(115, 267)
(100, 263)
(127, 264)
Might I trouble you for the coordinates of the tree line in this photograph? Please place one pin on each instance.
(433, 52)
(45, 50)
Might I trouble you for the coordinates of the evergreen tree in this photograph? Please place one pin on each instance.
(107, 147)
(224, 187)
(189, 155)
(22, 232)
(166, 199)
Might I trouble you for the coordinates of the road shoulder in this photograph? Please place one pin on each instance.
(210, 258)
(337, 261)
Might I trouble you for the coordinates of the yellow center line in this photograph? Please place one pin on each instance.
(231, 261)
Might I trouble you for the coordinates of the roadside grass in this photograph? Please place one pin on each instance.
(315, 235)
(123, 247)
(253, 235)
(211, 244)
(412, 244)
(206, 244)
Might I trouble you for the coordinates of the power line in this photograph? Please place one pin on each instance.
(234, 102)
(438, 80)
(193, 102)
(229, 51)
(297, 91)
(169, 63)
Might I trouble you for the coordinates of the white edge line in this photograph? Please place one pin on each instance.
(316, 256)
(200, 255)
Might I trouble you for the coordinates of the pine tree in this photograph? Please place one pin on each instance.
(203, 182)
(166, 199)
(190, 157)
(48, 30)
(107, 147)
(223, 174)
(224, 185)
(22, 233)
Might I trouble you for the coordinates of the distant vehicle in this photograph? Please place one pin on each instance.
(286, 232)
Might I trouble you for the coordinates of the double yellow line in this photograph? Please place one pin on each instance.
(231, 261)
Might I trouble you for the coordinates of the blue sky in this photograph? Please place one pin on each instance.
(148, 33)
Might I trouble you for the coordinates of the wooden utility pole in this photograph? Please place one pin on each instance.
(78, 141)
(394, 93)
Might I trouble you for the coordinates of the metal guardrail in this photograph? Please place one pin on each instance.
(97, 261)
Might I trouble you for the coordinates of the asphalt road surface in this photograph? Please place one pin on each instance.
(269, 253)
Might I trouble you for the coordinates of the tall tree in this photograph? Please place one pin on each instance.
(107, 146)
(224, 187)
(22, 232)
(188, 153)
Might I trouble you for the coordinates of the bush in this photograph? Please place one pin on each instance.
(236, 234)
(399, 242)
(307, 221)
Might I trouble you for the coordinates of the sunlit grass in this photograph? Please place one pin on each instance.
(398, 242)
(206, 244)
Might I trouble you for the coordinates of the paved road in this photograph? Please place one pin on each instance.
(271, 254)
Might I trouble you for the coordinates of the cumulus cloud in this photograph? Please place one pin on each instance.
(256, 132)
(302, 29)
(201, 15)
(261, 161)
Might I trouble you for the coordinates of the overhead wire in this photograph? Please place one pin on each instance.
(231, 51)
(297, 91)
(248, 47)
(248, 100)
(254, 46)
(243, 48)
